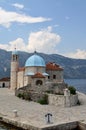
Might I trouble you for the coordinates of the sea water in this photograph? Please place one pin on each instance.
(79, 84)
(6, 127)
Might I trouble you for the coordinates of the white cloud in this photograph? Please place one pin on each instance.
(79, 54)
(43, 41)
(8, 17)
(17, 5)
(18, 43)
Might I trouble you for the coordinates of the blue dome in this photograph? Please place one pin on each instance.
(15, 52)
(35, 60)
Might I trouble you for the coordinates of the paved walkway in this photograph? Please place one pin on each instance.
(34, 113)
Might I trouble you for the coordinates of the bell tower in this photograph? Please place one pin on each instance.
(14, 69)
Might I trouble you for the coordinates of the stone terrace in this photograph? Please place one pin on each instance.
(34, 114)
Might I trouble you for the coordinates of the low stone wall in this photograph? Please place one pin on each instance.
(61, 100)
(73, 100)
(65, 126)
(67, 100)
(29, 95)
(57, 100)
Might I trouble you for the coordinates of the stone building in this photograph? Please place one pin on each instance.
(5, 82)
(36, 79)
(37, 75)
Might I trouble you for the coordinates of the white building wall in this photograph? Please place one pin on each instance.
(27, 80)
(14, 69)
(6, 83)
(34, 70)
(20, 79)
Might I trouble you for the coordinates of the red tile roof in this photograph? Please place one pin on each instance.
(38, 75)
(53, 66)
(5, 79)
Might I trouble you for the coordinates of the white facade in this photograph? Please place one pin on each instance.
(4, 83)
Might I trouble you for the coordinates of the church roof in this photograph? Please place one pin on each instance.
(35, 60)
(38, 75)
(5, 79)
(53, 66)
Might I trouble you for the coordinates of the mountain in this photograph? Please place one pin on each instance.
(73, 68)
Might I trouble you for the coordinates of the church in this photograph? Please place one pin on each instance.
(35, 74)
(38, 81)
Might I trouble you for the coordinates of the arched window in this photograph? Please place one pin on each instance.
(39, 82)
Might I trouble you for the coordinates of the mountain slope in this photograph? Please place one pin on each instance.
(73, 68)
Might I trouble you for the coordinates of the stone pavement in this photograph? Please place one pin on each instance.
(34, 114)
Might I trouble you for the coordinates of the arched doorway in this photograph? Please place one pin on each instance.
(39, 82)
(3, 85)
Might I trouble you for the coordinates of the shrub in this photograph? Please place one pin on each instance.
(25, 96)
(19, 95)
(72, 90)
(44, 100)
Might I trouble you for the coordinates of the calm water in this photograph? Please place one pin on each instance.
(6, 127)
(79, 84)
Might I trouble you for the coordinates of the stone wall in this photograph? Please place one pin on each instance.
(74, 100)
(50, 87)
(59, 76)
(28, 126)
(61, 100)
(56, 88)
(67, 126)
(30, 95)
(57, 100)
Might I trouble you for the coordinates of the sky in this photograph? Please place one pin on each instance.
(47, 26)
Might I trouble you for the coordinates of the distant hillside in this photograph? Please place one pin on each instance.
(73, 68)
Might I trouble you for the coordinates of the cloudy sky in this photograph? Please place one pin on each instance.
(49, 26)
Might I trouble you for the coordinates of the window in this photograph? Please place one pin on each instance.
(15, 57)
(39, 82)
(54, 76)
